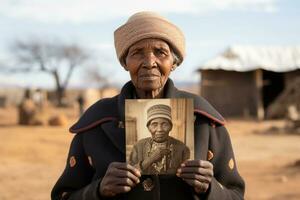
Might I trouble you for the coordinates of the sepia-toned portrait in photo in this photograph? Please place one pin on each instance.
(159, 134)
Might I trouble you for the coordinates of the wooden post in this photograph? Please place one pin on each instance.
(259, 95)
(178, 118)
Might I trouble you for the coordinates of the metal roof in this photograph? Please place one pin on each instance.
(246, 58)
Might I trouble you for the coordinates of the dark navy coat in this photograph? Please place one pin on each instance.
(100, 139)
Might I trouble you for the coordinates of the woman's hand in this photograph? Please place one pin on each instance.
(197, 173)
(119, 178)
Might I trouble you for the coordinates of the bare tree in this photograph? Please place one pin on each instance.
(93, 75)
(49, 57)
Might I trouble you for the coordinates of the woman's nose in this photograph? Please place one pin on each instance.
(159, 127)
(149, 60)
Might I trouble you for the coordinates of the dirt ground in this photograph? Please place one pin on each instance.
(32, 158)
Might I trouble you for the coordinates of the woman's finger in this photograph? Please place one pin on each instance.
(128, 167)
(199, 187)
(120, 189)
(197, 170)
(123, 173)
(198, 177)
(197, 163)
(124, 182)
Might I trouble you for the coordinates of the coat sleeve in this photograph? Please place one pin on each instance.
(226, 184)
(76, 181)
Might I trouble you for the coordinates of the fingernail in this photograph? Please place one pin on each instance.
(182, 165)
(138, 181)
(178, 171)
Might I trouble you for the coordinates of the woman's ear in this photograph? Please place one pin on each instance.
(171, 127)
(125, 67)
(124, 64)
(173, 67)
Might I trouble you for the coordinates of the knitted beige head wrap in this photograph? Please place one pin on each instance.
(159, 111)
(144, 25)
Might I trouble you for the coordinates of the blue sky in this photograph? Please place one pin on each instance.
(209, 27)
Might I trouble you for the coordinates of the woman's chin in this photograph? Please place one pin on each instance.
(149, 85)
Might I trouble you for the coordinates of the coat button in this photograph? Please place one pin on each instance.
(231, 164)
(213, 124)
(121, 124)
(72, 161)
(90, 160)
(148, 184)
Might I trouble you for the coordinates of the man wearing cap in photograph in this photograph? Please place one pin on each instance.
(149, 47)
(160, 153)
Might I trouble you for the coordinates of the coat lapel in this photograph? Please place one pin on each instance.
(115, 134)
(112, 129)
(201, 141)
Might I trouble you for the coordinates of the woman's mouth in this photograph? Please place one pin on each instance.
(149, 77)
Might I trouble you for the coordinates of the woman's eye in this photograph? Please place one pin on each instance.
(165, 125)
(134, 53)
(154, 124)
(161, 52)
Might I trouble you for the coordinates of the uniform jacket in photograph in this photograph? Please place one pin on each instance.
(169, 164)
(100, 139)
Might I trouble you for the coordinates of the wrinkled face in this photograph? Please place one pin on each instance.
(159, 129)
(149, 63)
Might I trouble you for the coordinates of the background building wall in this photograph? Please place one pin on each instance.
(231, 93)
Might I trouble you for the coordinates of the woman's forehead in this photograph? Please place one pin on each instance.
(159, 119)
(149, 42)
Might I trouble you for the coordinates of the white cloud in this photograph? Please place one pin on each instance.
(257, 5)
(77, 11)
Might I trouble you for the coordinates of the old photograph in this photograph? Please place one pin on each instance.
(159, 134)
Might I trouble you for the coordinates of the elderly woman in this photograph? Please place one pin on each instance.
(150, 48)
